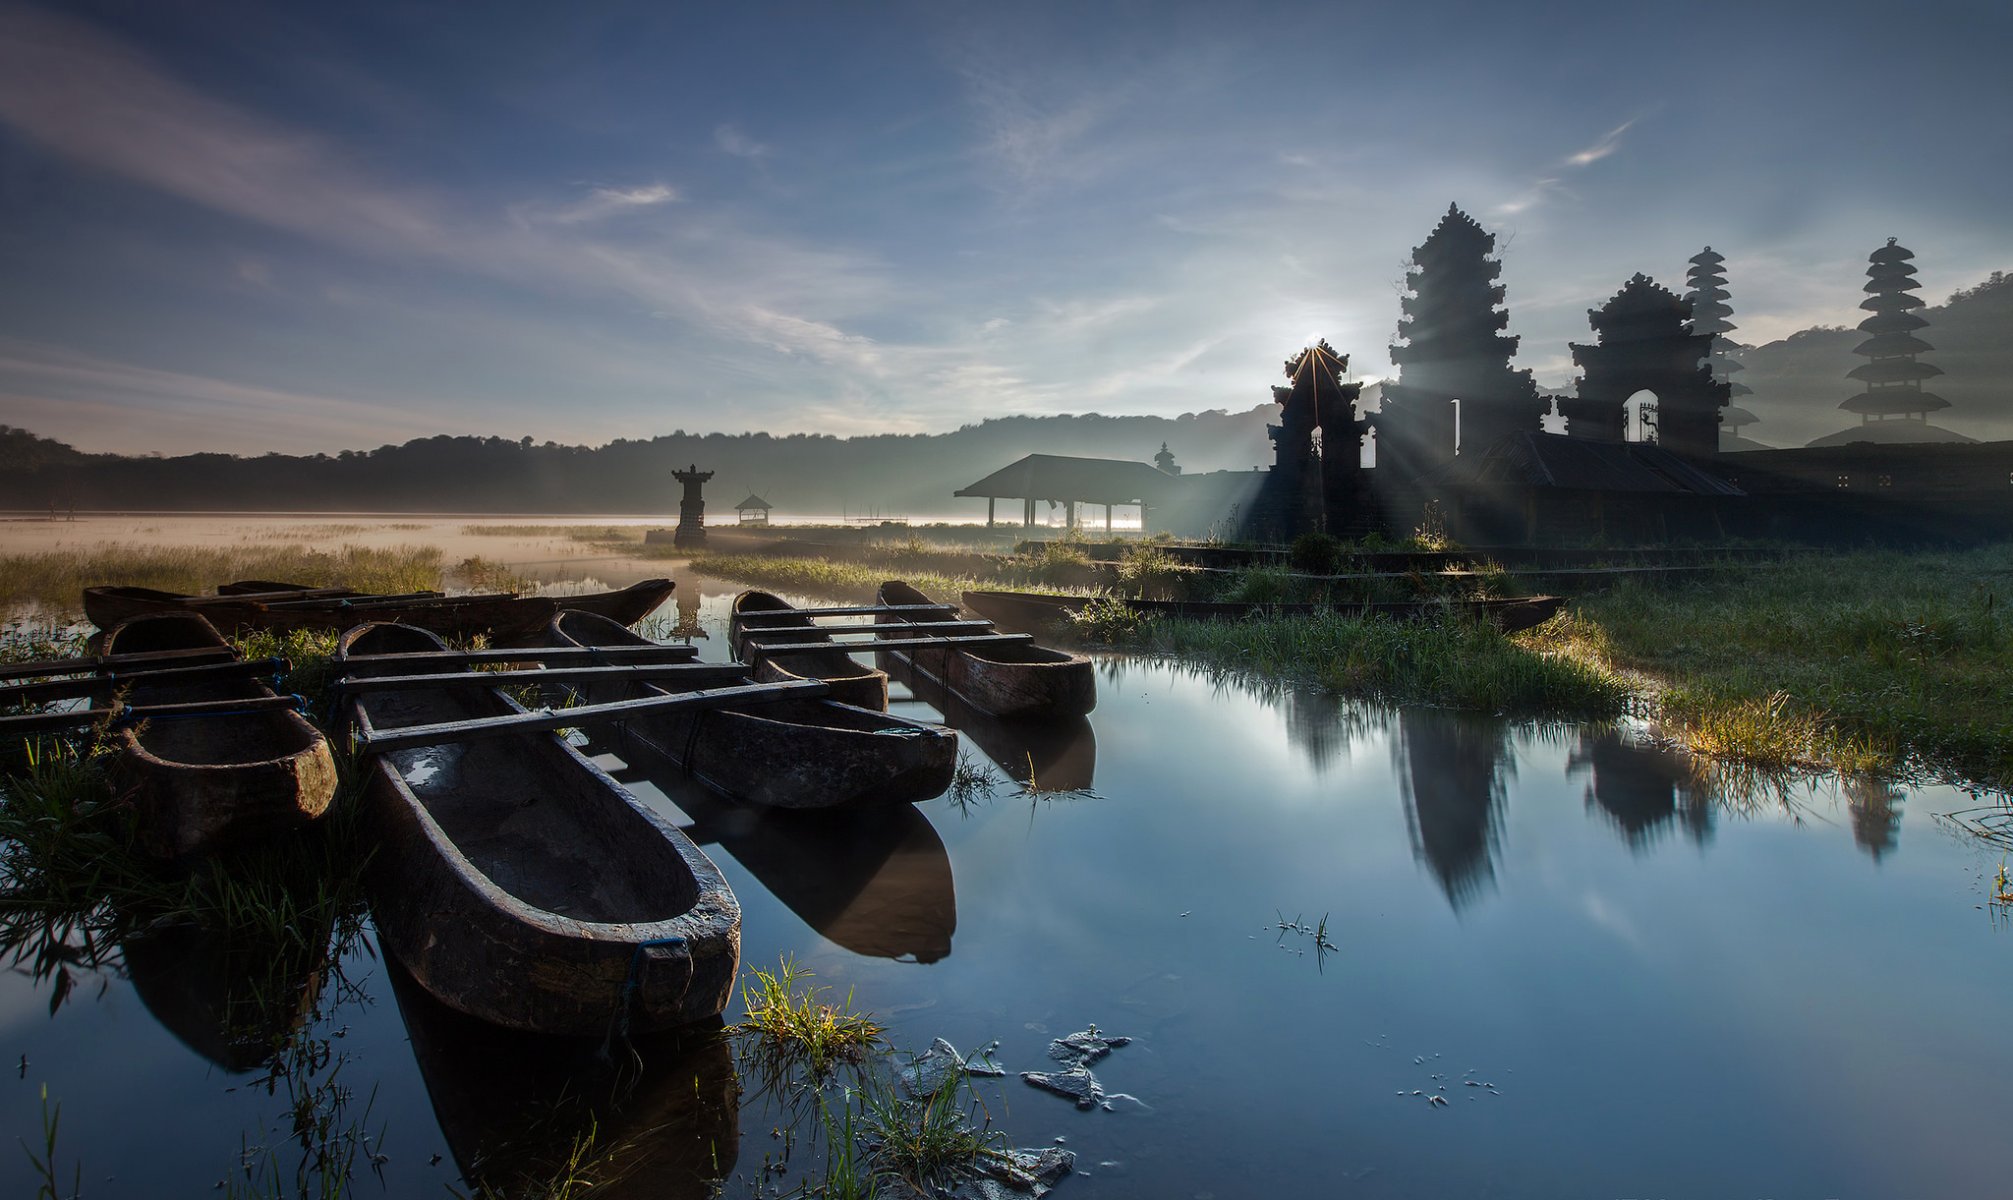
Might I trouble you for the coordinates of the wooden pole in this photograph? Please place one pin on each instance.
(379, 741)
(106, 684)
(98, 662)
(593, 655)
(893, 643)
(689, 672)
(78, 718)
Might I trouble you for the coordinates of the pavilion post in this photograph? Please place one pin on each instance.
(1069, 514)
(990, 501)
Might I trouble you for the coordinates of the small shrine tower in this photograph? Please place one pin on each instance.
(1644, 344)
(1709, 313)
(1891, 373)
(691, 532)
(1293, 499)
(1455, 360)
(1165, 461)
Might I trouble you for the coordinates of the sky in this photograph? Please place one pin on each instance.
(268, 226)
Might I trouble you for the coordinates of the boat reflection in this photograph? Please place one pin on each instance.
(1055, 756)
(1454, 771)
(517, 1108)
(875, 880)
(1643, 790)
(231, 1001)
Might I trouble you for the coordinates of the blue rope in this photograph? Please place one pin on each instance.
(127, 716)
(618, 1026)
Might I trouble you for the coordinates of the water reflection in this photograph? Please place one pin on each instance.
(663, 1121)
(1875, 808)
(1055, 756)
(233, 1002)
(1454, 771)
(1643, 790)
(876, 881)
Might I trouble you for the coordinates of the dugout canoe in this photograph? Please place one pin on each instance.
(1047, 756)
(498, 616)
(1026, 610)
(851, 682)
(199, 782)
(1001, 679)
(792, 754)
(522, 885)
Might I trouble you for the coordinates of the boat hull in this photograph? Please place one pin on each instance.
(797, 754)
(203, 784)
(449, 616)
(1013, 680)
(850, 682)
(520, 884)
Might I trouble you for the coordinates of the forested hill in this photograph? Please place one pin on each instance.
(1799, 381)
(891, 474)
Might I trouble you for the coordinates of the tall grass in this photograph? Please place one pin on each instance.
(1867, 660)
(55, 580)
(790, 1021)
(823, 577)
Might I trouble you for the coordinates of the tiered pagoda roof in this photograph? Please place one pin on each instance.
(1892, 374)
(1709, 313)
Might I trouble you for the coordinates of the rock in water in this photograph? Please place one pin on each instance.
(926, 1075)
(1077, 1084)
(1085, 1047)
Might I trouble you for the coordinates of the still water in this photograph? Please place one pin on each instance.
(1625, 978)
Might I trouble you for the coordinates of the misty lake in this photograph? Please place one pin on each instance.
(1311, 918)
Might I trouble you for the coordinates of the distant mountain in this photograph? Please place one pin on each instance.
(1799, 381)
(887, 474)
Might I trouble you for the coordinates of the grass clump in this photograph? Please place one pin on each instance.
(931, 1143)
(54, 580)
(1151, 573)
(1108, 621)
(790, 1022)
(1453, 663)
(1871, 660)
(824, 577)
(478, 574)
(1317, 554)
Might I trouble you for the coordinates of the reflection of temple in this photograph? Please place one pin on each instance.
(688, 599)
(1322, 724)
(1642, 790)
(1875, 807)
(1454, 775)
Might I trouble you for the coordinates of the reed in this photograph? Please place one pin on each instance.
(790, 1022)
(54, 580)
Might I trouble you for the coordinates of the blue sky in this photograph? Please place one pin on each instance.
(263, 226)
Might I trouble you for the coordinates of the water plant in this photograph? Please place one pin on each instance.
(790, 1022)
(1108, 621)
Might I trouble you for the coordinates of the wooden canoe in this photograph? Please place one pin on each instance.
(230, 998)
(202, 782)
(876, 881)
(1047, 755)
(851, 683)
(513, 1107)
(522, 885)
(497, 616)
(1010, 679)
(794, 754)
(1026, 610)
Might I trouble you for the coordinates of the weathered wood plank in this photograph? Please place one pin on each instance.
(413, 600)
(77, 718)
(856, 610)
(544, 721)
(641, 673)
(856, 630)
(106, 684)
(598, 655)
(98, 662)
(898, 643)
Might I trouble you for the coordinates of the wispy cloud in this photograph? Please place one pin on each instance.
(603, 202)
(1607, 144)
(731, 139)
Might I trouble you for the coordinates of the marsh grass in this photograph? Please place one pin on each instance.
(789, 1022)
(823, 577)
(931, 1144)
(54, 580)
(478, 574)
(1860, 661)
(1453, 663)
(591, 534)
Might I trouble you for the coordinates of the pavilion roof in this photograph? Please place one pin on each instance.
(754, 501)
(1059, 477)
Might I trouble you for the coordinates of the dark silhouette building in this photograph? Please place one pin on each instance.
(1892, 374)
(1309, 488)
(1455, 388)
(1644, 345)
(1709, 312)
(691, 508)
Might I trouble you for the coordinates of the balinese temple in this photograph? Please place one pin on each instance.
(1644, 343)
(1455, 388)
(1307, 490)
(1709, 312)
(1892, 375)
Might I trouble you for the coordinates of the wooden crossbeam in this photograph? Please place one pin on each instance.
(595, 655)
(857, 610)
(411, 736)
(413, 600)
(856, 630)
(643, 673)
(78, 718)
(99, 662)
(758, 650)
(290, 594)
(106, 684)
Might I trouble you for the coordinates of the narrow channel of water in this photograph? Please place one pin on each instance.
(1311, 918)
